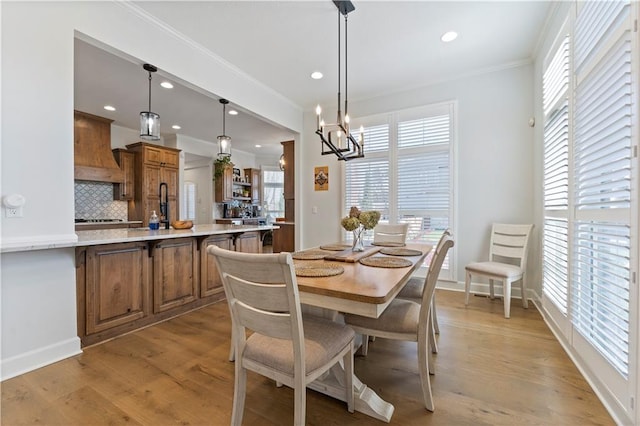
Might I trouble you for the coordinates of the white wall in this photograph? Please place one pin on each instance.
(37, 154)
(494, 161)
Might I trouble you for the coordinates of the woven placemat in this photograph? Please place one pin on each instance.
(400, 251)
(325, 269)
(385, 262)
(388, 244)
(335, 247)
(309, 254)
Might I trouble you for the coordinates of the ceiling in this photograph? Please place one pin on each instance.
(393, 46)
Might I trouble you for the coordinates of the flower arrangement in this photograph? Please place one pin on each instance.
(358, 221)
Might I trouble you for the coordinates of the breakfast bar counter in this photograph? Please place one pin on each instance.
(133, 277)
(121, 235)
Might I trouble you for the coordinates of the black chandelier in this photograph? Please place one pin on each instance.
(337, 138)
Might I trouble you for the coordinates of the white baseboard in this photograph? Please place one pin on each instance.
(32, 360)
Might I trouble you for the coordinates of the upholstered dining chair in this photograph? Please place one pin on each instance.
(387, 233)
(413, 290)
(262, 293)
(407, 320)
(507, 262)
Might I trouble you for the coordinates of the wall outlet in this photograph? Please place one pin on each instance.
(314, 209)
(13, 212)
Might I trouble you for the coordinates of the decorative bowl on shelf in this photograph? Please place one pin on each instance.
(182, 224)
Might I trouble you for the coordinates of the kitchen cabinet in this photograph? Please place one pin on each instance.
(224, 186)
(249, 242)
(125, 191)
(284, 239)
(288, 149)
(175, 273)
(153, 165)
(228, 189)
(254, 180)
(210, 282)
(114, 281)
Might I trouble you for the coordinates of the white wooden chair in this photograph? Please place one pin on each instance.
(262, 293)
(387, 233)
(409, 321)
(413, 290)
(507, 262)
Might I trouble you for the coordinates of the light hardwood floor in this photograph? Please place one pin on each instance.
(489, 371)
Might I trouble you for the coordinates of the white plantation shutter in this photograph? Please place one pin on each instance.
(555, 95)
(555, 263)
(367, 185)
(367, 179)
(602, 181)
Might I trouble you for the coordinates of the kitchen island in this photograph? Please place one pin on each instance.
(130, 278)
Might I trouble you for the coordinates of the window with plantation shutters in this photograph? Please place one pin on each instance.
(602, 179)
(590, 180)
(555, 99)
(406, 173)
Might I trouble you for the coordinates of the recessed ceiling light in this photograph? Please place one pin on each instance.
(233, 112)
(258, 146)
(449, 36)
(109, 108)
(166, 85)
(316, 75)
(175, 126)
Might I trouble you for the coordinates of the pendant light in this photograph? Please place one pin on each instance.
(337, 137)
(224, 141)
(149, 121)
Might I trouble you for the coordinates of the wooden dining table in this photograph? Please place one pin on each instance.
(361, 290)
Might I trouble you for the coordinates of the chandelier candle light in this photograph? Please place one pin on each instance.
(149, 121)
(337, 137)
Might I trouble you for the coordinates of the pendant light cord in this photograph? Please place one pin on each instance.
(224, 119)
(149, 91)
(339, 71)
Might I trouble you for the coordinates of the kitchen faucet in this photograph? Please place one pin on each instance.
(164, 205)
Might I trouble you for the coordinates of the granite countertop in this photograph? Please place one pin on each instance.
(111, 236)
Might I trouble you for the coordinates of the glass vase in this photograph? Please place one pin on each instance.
(358, 235)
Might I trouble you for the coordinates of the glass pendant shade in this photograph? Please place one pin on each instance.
(224, 141)
(224, 146)
(149, 126)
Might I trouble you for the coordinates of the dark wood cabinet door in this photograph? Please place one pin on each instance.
(210, 282)
(116, 285)
(249, 242)
(175, 274)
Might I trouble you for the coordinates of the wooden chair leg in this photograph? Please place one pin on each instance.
(364, 349)
(239, 393)
(506, 290)
(432, 333)
(436, 327)
(467, 287)
(525, 302)
(348, 372)
(300, 403)
(423, 367)
(232, 349)
(492, 294)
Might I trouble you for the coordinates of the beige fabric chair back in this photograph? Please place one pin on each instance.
(511, 242)
(386, 233)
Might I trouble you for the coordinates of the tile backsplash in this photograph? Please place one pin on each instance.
(94, 200)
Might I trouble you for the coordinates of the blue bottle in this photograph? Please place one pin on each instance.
(154, 221)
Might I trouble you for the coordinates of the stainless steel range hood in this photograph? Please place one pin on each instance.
(93, 158)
